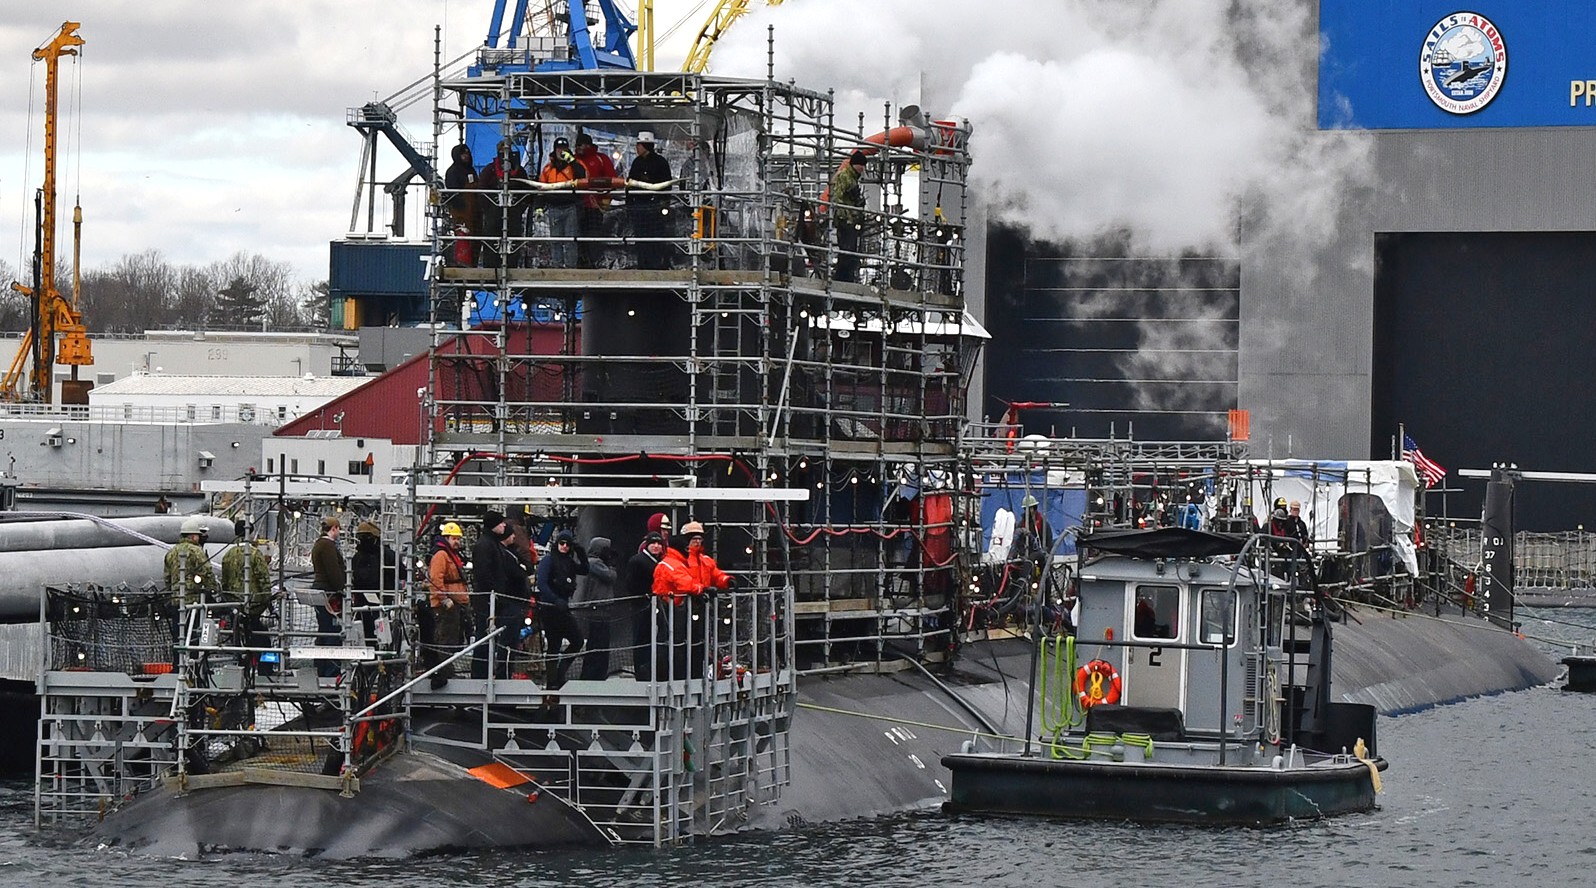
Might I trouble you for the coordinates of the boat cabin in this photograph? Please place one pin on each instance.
(1204, 636)
(1170, 628)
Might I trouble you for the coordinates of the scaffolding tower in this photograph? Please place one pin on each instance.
(762, 353)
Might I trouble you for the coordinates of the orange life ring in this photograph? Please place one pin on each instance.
(1097, 682)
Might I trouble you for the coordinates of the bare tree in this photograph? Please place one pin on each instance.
(144, 291)
(135, 293)
(271, 283)
(194, 298)
(14, 306)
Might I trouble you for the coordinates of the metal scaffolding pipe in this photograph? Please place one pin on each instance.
(23, 574)
(22, 534)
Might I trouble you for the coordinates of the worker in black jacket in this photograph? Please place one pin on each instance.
(557, 573)
(487, 577)
(647, 208)
(638, 593)
(375, 572)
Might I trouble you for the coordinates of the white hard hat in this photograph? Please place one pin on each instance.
(646, 137)
(193, 524)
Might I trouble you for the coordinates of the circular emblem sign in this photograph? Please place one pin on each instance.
(1463, 63)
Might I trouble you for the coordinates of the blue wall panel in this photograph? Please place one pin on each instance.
(1371, 74)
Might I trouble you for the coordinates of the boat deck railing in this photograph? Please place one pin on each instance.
(709, 230)
(1563, 561)
(670, 729)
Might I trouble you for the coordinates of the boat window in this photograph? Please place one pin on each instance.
(1157, 612)
(1218, 616)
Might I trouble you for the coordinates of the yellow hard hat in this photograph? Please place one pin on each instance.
(451, 529)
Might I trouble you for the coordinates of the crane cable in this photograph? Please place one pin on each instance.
(27, 170)
(75, 152)
(690, 14)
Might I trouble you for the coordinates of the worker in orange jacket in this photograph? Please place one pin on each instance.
(561, 208)
(449, 598)
(683, 577)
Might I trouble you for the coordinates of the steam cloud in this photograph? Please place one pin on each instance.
(1166, 126)
(1169, 118)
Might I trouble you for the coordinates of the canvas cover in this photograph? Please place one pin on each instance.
(1320, 484)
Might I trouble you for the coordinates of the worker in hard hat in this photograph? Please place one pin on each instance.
(1033, 538)
(449, 598)
(647, 209)
(188, 575)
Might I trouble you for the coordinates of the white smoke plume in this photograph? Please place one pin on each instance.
(1167, 127)
(1174, 119)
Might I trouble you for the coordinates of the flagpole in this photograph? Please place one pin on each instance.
(1402, 435)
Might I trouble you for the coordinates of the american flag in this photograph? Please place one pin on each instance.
(1428, 469)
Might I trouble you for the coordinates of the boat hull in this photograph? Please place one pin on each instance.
(1106, 790)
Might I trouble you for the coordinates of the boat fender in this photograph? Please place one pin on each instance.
(1361, 750)
(1097, 682)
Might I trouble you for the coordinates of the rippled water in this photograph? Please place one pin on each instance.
(1493, 791)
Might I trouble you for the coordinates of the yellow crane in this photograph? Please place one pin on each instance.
(52, 314)
(726, 13)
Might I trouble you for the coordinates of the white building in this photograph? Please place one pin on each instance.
(330, 457)
(266, 400)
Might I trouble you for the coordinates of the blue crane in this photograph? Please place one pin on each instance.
(513, 50)
(616, 53)
(512, 45)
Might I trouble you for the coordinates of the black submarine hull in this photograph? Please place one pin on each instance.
(862, 745)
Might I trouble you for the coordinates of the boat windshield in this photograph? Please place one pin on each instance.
(1217, 616)
(1157, 612)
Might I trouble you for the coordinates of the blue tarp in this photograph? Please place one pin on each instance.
(1064, 507)
(483, 311)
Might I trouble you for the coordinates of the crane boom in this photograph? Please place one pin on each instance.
(52, 314)
(726, 12)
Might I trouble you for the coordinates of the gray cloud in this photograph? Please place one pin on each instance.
(209, 128)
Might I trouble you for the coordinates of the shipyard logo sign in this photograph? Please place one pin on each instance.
(1463, 63)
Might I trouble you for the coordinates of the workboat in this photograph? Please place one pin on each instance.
(1196, 689)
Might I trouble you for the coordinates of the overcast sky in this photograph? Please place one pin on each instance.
(210, 127)
(201, 128)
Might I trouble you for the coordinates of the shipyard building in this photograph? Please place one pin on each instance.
(1452, 297)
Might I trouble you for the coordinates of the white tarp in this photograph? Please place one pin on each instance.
(1320, 484)
(943, 326)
